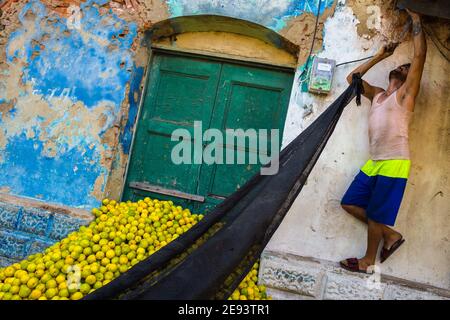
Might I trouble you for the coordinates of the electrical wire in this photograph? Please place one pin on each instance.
(428, 33)
(308, 73)
(402, 35)
(312, 48)
(406, 28)
(312, 43)
(353, 61)
(433, 34)
(315, 28)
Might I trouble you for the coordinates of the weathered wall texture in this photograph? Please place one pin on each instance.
(61, 93)
(230, 44)
(69, 97)
(294, 19)
(70, 88)
(316, 226)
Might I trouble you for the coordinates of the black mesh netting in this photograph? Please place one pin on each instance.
(212, 258)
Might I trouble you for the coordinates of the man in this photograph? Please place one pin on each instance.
(375, 195)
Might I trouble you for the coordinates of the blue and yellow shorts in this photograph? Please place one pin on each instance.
(379, 189)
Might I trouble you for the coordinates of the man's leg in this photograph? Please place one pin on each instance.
(358, 212)
(374, 236)
(390, 236)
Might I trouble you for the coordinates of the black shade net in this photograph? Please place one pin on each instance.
(212, 258)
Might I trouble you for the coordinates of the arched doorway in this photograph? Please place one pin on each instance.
(207, 72)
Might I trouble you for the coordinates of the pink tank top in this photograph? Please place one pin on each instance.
(388, 129)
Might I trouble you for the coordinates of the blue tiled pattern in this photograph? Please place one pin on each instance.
(12, 245)
(26, 231)
(4, 262)
(8, 215)
(39, 246)
(63, 225)
(34, 221)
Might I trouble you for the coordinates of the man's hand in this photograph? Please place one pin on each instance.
(386, 50)
(369, 90)
(417, 23)
(414, 15)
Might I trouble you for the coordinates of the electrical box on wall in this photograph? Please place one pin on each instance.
(322, 74)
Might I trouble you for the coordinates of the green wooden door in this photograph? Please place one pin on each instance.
(248, 98)
(220, 94)
(180, 91)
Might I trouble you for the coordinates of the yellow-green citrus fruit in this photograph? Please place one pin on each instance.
(248, 288)
(122, 235)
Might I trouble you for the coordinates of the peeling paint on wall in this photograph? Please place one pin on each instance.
(270, 13)
(144, 12)
(328, 233)
(62, 90)
(67, 91)
(134, 99)
(69, 100)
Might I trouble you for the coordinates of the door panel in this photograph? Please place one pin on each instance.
(180, 91)
(220, 94)
(251, 106)
(181, 98)
(248, 98)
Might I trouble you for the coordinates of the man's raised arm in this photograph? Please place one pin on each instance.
(411, 87)
(369, 90)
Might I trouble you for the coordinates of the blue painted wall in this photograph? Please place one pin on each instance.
(135, 91)
(83, 70)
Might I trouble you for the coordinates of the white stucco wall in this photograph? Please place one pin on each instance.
(316, 226)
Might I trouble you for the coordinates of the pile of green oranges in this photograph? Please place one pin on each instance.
(122, 235)
(249, 289)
